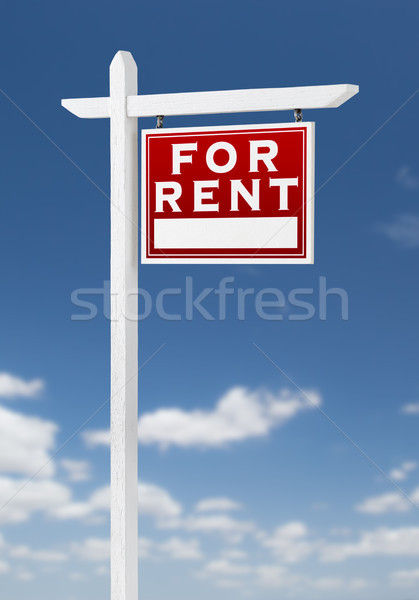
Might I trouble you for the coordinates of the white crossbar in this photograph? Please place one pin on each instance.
(231, 101)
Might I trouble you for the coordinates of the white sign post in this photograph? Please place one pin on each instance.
(123, 107)
(124, 331)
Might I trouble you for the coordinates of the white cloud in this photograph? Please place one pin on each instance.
(225, 567)
(327, 583)
(228, 574)
(100, 437)
(229, 584)
(411, 409)
(174, 548)
(240, 414)
(25, 443)
(405, 578)
(73, 510)
(387, 503)
(289, 542)
(92, 549)
(97, 501)
(340, 531)
(217, 504)
(14, 387)
(24, 575)
(275, 576)
(77, 470)
(401, 473)
(234, 554)
(145, 547)
(50, 568)
(380, 542)
(19, 499)
(404, 230)
(359, 584)
(37, 555)
(153, 501)
(4, 567)
(157, 502)
(179, 549)
(224, 525)
(407, 179)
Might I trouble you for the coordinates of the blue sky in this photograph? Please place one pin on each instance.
(272, 499)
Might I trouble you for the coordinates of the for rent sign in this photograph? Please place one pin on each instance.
(228, 194)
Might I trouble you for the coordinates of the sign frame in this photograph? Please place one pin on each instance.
(123, 107)
(252, 258)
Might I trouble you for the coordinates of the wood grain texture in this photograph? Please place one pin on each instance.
(236, 101)
(230, 101)
(124, 331)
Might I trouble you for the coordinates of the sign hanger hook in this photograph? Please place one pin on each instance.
(159, 121)
(298, 115)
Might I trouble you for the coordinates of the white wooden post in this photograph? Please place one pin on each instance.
(124, 331)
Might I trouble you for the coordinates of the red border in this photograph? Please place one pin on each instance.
(245, 253)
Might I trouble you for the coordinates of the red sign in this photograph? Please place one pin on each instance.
(242, 194)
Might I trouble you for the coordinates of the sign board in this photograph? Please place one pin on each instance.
(237, 194)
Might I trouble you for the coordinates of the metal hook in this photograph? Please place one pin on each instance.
(159, 121)
(298, 115)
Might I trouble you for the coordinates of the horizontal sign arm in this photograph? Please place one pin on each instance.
(88, 108)
(231, 101)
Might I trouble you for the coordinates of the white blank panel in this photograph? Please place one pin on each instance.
(259, 232)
